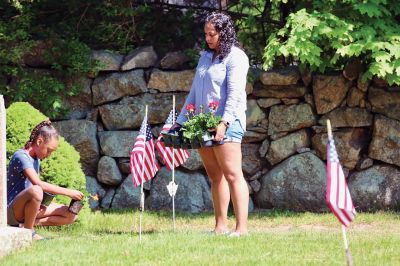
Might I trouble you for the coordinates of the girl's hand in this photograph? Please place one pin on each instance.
(75, 194)
(220, 132)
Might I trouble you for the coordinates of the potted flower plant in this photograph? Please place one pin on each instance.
(189, 141)
(198, 126)
(212, 121)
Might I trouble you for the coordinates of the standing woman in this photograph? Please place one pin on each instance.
(221, 76)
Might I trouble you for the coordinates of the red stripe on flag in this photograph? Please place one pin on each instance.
(143, 164)
(167, 153)
(338, 196)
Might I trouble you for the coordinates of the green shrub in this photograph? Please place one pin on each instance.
(62, 168)
(325, 35)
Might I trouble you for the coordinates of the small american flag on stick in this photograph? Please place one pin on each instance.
(181, 155)
(143, 162)
(337, 193)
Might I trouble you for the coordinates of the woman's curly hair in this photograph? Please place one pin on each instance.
(223, 24)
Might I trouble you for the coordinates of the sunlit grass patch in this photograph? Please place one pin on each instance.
(276, 238)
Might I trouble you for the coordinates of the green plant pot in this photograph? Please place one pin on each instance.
(207, 140)
(47, 198)
(216, 143)
(176, 141)
(195, 143)
(167, 139)
(186, 145)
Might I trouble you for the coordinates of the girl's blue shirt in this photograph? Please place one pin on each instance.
(16, 180)
(223, 81)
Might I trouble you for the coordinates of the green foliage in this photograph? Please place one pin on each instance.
(197, 125)
(256, 20)
(320, 35)
(252, 24)
(33, 86)
(327, 34)
(18, 36)
(69, 30)
(62, 167)
(116, 25)
(15, 39)
(194, 56)
(71, 56)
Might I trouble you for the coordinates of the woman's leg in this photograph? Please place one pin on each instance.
(54, 215)
(219, 189)
(229, 157)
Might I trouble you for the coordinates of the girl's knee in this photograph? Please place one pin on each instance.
(36, 192)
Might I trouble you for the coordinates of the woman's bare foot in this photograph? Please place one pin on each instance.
(238, 234)
(221, 231)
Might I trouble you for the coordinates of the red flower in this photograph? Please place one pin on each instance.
(190, 107)
(213, 105)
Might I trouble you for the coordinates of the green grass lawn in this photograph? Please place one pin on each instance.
(276, 238)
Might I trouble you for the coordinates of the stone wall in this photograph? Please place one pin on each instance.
(283, 150)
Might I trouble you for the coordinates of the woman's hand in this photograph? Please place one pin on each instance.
(75, 194)
(174, 126)
(220, 132)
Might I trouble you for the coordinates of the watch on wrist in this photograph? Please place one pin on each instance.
(226, 123)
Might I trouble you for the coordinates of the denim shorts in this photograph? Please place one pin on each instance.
(11, 220)
(234, 133)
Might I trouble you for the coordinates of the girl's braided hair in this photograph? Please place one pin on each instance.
(223, 24)
(44, 129)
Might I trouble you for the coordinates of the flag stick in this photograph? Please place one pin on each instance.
(328, 125)
(349, 258)
(141, 208)
(173, 164)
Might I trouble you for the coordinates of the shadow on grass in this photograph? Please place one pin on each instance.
(257, 213)
(274, 213)
(161, 213)
(124, 232)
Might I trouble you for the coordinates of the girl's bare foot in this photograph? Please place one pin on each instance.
(36, 236)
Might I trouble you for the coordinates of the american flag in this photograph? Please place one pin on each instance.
(337, 193)
(181, 155)
(143, 148)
